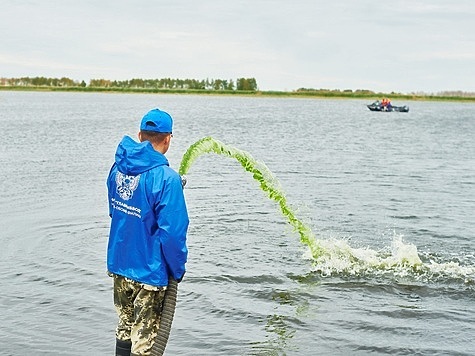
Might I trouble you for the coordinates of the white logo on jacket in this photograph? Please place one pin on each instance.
(126, 185)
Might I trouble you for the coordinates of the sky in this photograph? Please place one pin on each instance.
(404, 46)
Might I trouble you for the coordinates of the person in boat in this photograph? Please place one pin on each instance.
(389, 106)
(147, 239)
(386, 104)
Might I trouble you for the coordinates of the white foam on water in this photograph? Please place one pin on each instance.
(402, 259)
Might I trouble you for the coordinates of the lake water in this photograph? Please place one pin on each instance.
(390, 198)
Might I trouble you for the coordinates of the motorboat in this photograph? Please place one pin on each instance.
(378, 106)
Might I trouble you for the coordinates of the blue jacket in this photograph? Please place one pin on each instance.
(147, 240)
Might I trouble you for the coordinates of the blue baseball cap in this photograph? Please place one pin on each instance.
(157, 121)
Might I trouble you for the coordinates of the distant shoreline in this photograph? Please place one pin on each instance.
(257, 93)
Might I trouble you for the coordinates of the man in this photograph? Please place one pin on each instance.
(147, 240)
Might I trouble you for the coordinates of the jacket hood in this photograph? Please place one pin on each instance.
(134, 157)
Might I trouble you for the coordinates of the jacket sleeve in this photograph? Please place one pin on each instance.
(173, 223)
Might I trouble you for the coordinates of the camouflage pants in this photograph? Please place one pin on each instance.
(139, 308)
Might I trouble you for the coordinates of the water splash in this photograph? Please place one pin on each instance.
(401, 261)
(340, 257)
(332, 256)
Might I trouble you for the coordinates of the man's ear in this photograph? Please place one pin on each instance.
(139, 135)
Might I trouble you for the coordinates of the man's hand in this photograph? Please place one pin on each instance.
(183, 181)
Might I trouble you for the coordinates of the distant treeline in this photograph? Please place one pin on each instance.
(365, 93)
(240, 86)
(245, 84)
